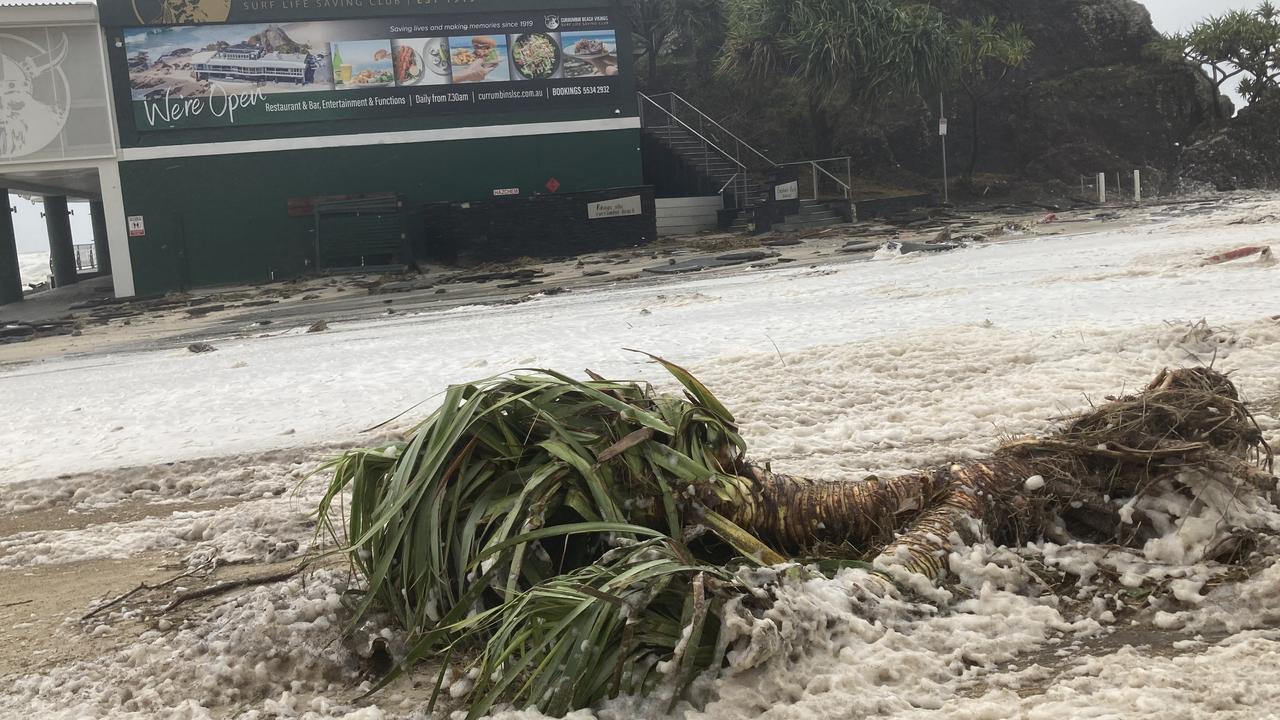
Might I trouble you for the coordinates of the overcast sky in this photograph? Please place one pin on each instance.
(1168, 15)
(1173, 15)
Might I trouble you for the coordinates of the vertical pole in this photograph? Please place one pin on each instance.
(100, 247)
(1137, 186)
(1081, 186)
(1102, 188)
(1119, 185)
(946, 191)
(813, 170)
(10, 275)
(62, 249)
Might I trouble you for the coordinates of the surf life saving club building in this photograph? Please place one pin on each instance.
(268, 139)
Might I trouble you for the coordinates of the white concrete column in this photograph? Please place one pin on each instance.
(1137, 186)
(1102, 187)
(117, 228)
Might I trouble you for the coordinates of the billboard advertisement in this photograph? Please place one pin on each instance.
(209, 74)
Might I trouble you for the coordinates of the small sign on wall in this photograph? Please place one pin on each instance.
(499, 192)
(136, 226)
(619, 207)
(786, 191)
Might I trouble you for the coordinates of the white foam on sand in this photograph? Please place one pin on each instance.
(1005, 305)
(879, 367)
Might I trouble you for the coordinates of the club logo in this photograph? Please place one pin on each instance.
(552, 21)
(34, 95)
(181, 12)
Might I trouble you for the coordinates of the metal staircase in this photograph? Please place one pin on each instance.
(736, 170)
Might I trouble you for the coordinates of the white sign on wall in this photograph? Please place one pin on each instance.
(620, 207)
(786, 191)
(53, 97)
(136, 227)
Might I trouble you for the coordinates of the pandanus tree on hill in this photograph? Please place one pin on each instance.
(985, 54)
(1240, 43)
(657, 25)
(564, 541)
(846, 57)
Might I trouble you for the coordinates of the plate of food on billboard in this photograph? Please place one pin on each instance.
(536, 55)
(590, 53)
(479, 58)
(420, 61)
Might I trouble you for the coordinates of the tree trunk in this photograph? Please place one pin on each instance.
(653, 65)
(821, 129)
(974, 111)
(1183, 419)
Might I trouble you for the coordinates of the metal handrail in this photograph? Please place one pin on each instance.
(695, 132)
(713, 121)
(743, 174)
(846, 187)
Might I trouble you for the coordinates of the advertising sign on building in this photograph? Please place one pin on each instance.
(189, 71)
(786, 191)
(620, 207)
(53, 97)
(136, 227)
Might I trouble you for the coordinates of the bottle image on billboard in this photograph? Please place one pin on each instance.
(359, 64)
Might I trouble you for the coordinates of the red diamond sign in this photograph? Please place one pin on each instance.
(553, 185)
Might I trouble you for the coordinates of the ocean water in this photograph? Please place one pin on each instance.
(34, 267)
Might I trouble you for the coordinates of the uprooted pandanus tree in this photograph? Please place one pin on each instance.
(568, 541)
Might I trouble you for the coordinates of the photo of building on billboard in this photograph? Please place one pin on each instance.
(189, 61)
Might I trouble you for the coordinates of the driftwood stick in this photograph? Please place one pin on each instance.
(228, 586)
(14, 604)
(143, 586)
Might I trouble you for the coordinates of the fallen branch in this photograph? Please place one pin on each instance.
(15, 604)
(228, 586)
(142, 586)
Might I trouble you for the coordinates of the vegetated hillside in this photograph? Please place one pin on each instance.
(1243, 153)
(1094, 96)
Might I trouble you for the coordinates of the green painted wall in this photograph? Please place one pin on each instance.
(223, 219)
